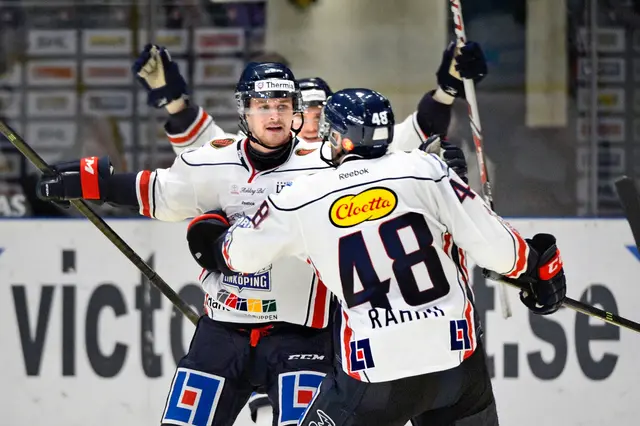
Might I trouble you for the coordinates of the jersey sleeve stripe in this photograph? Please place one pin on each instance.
(463, 266)
(457, 255)
(152, 198)
(414, 120)
(320, 306)
(522, 253)
(447, 243)
(142, 191)
(347, 332)
(186, 138)
(471, 328)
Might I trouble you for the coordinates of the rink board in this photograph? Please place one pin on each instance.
(73, 315)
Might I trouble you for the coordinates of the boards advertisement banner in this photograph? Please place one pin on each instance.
(86, 339)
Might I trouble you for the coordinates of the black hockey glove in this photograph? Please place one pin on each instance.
(159, 75)
(87, 178)
(470, 63)
(205, 236)
(545, 274)
(451, 154)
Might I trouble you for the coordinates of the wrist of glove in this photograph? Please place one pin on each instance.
(160, 76)
(451, 154)
(469, 62)
(87, 178)
(205, 236)
(545, 276)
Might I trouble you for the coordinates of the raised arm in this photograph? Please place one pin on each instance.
(188, 125)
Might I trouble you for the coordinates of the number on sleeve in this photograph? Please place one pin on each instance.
(261, 214)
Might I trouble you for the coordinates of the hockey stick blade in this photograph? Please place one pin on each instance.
(576, 305)
(99, 223)
(630, 200)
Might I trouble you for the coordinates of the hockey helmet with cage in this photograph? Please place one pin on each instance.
(358, 123)
(315, 92)
(266, 80)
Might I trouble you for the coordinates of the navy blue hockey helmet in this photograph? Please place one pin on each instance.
(267, 80)
(315, 91)
(358, 123)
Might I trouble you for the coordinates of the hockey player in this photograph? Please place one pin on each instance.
(388, 234)
(315, 92)
(252, 337)
(190, 126)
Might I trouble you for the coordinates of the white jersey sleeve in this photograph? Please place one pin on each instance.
(202, 130)
(407, 135)
(272, 233)
(167, 194)
(475, 228)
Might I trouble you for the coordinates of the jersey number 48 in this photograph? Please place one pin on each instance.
(354, 258)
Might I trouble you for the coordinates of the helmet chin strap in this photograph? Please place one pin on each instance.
(341, 158)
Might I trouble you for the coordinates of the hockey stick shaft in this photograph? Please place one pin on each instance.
(476, 130)
(99, 223)
(576, 305)
(630, 200)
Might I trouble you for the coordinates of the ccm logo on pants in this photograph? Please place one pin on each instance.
(193, 398)
(296, 390)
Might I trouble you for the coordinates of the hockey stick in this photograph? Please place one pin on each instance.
(476, 130)
(99, 223)
(630, 200)
(577, 306)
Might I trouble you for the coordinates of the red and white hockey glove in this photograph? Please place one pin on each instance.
(87, 178)
(545, 274)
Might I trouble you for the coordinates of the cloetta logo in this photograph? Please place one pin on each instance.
(371, 204)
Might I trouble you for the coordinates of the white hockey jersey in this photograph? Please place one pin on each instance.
(407, 134)
(389, 238)
(219, 175)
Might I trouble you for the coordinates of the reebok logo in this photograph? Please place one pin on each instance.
(353, 173)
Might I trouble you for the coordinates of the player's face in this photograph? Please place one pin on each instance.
(270, 120)
(309, 131)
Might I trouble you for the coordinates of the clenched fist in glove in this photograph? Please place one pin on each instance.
(467, 62)
(205, 236)
(87, 178)
(545, 275)
(452, 155)
(160, 76)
